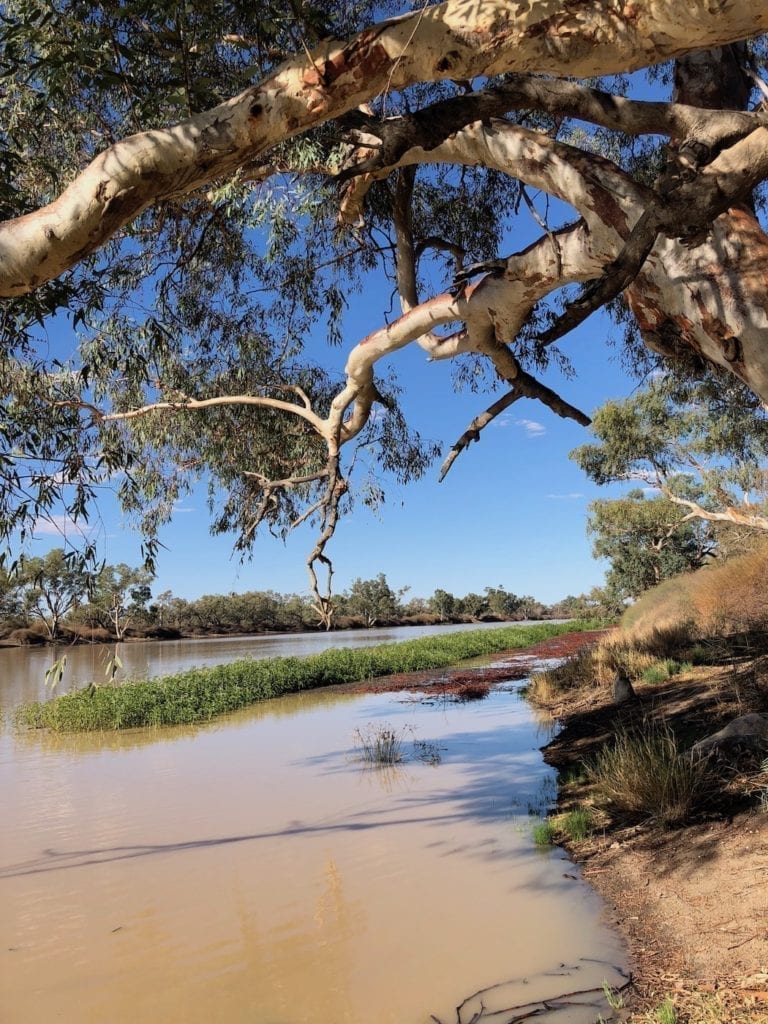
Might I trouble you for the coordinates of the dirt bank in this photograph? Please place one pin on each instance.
(693, 900)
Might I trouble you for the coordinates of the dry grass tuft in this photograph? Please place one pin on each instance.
(645, 775)
(575, 673)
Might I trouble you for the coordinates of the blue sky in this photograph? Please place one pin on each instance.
(511, 512)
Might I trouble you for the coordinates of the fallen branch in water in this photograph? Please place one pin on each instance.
(525, 1011)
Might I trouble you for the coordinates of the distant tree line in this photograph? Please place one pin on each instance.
(50, 599)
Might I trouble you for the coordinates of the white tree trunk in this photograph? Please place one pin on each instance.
(451, 40)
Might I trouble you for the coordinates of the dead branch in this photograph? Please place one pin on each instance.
(526, 386)
(472, 433)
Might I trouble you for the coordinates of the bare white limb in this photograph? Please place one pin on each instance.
(596, 37)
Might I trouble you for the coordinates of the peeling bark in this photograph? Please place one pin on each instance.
(450, 40)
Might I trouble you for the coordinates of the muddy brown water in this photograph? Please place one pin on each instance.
(254, 870)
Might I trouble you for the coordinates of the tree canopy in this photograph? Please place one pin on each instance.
(646, 541)
(190, 192)
(702, 443)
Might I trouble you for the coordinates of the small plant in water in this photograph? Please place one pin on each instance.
(614, 999)
(472, 691)
(428, 753)
(544, 833)
(380, 744)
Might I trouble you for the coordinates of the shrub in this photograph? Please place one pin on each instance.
(645, 774)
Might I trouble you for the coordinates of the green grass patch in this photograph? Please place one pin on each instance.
(199, 694)
(544, 833)
(665, 669)
(666, 1013)
(577, 824)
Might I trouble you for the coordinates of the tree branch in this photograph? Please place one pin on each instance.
(737, 516)
(618, 275)
(526, 386)
(303, 412)
(431, 45)
(431, 126)
(472, 433)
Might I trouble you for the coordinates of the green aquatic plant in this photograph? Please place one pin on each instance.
(199, 694)
(544, 833)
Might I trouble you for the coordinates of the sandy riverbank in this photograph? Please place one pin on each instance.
(692, 901)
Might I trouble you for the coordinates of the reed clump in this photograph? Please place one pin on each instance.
(645, 774)
(379, 744)
(199, 694)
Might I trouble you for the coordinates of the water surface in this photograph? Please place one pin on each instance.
(252, 870)
(22, 669)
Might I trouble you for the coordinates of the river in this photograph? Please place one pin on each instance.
(253, 869)
(23, 669)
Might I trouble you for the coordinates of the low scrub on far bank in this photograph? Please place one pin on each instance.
(200, 694)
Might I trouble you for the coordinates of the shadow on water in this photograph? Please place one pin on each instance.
(500, 773)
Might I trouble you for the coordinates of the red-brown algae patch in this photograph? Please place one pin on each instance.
(461, 682)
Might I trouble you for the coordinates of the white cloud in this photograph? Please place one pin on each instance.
(571, 496)
(57, 526)
(532, 428)
(502, 421)
(183, 508)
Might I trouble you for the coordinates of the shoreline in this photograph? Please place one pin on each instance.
(163, 634)
(691, 901)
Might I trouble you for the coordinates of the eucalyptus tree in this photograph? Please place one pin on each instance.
(701, 443)
(443, 604)
(646, 540)
(121, 592)
(374, 600)
(53, 585)
(193, 190)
